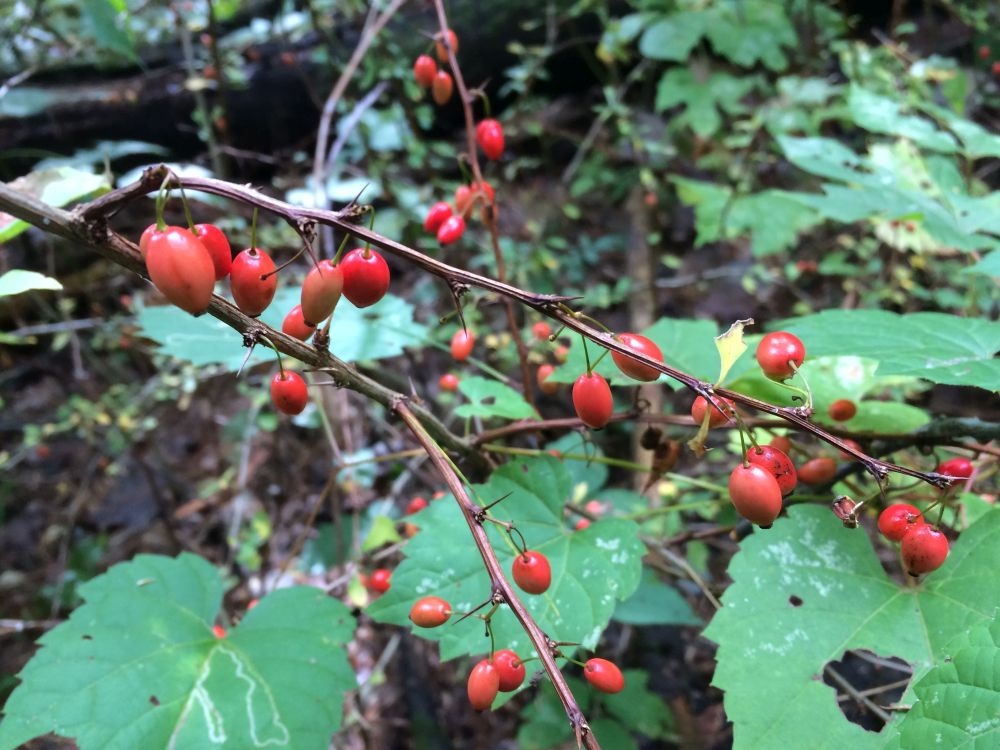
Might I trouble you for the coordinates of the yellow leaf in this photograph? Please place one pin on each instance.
(731, 347)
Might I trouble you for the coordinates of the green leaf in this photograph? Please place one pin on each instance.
(880, 114)
(491, 398)
(881, 417)
(988, 266)
(809, 589)
(655, 603)
(383, 531)
(637, 708)
(591, 569)
(937, 347)
(748, 32)
(138, 666)
(673, 37)
(702, 97)
(824, 157)
(57, 187)
(17, 281)
(103, 16)
(959, 701)
(376, 332)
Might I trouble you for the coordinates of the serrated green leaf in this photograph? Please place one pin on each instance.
(809, 589)
(748, 33)
(591, 569)
(881, 114)
(702, 98)
(655, 603)
(673, 37)
(17, 281)
(491, 398)
(138, 666)
(376, 332)
(958, 703)
(102, 16)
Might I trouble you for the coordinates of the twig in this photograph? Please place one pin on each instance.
(859, 697)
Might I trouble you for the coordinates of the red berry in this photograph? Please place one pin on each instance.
(438, 495)
(253, 281)
(451, 229)
(777, 352)
(818, 470)
(253, 603)
(924, 549)
(379, 580)
(604, 675)
(218, 248)
(430, 612)
(715, 417)
(415, 505)
(463, 196)
(436, 216)
(424, 70)
(442, 87)
(633, 367)
(581, 524)
(441, 50)
(541, 330)
(546, 387)
(510, 668)
(959, 466)
(218, 631)
(180, 267)
(321, 291)
(562, 354)
(477, 192)
(984, 52)
(782, 443)
(448, 382)
(295, 325)
(898, 519)
(366, 277)
(489, 136)
(592, 400)
(483, 686)
(462, 343)
(853, 444)
(289, 392)
(594, 507)
(144, 238)
(842, 410)
(995, 68)
(776, 462)
(755, 493)
(532, 572)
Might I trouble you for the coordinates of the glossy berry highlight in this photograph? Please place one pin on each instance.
(379, 580)
(755, 494)
(779, 354)
(630, 365)
(442, 87)
(436, 216)
(896, 520)
(604, 675)
(253, 281)
(321, 291)
(366, 277)
(451, 230)
(592, 400)
(180, 267)
(295, 324)
(489, 136)
(531, 572)
(214, 240)
(424, 70)
(510, 668)
(289, 392)
(959, 467)
(462, 343)
(430, 612)
(483, 685)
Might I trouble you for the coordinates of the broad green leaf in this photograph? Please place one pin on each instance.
(57, 187)
(138, 666)
(637, 708)
(879, 417)
(673, 37)
(809, 589)
(824, 157)
(880, 114)
(748, 32)
(988, 266)
(588, 477)
(937, 347)
(702, 98)
(546, 726)
(17, 281)
(376, 332)
(655, 603)
(491, 398)
(958, 702)
(591, 569)
(103, 16)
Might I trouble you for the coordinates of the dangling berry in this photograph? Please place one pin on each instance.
(818, 470)
(541, 330)
(451, 229)
(716, 418)
(379, 580)
(366, 277)
(532, 572)
(924, 549)
(544, 385)
(289, 392)
(430, 612)
(415, 505)
(896, 520)
(510, 668)
(484, 683)
(604, 675)
(463, 194)
(777, 352)
(442, 87)
(296, 326)
(959, 467)
(321, 291)
(218, 248)
(218, 631)
(776, 462)
(253, 281)
(424, 70)
(561, 354)
(477, 192)
(755, 494)
(441, 50)
(592, 400)
(489, 136)
(180, 267)
(842, 410)
(582, 524)
(630, 365)
(436, 216)
(781, 443)
(448, 382)
(144, 238)
(462, 343)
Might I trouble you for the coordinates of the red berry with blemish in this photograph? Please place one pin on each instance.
(218, 248)
(366, 277)
(510, 668)
(483, 685)
(924, 549)
(604, 675)
(755, 493)
(532, 572)
(630, 365)
(489, 136)
(716, 418)
(289, 392)
(776, 462)
(253, 281)
(898, 519)
(779, 354)
(462, 343)
(592, 400)
(321, 291)
(295, 325)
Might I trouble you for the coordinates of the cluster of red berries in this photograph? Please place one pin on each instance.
(984, 54)
(427, 75)
(185, 265)
(591, 392)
